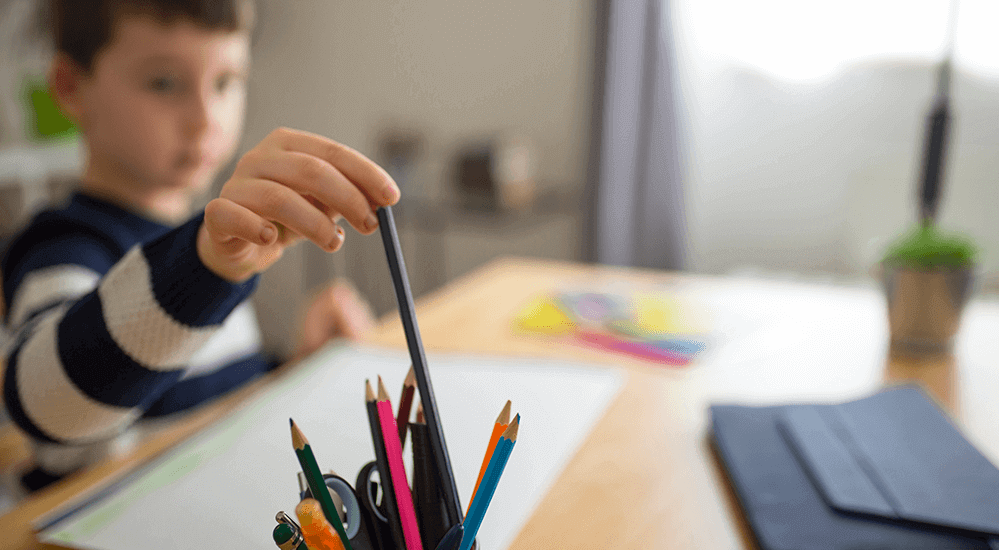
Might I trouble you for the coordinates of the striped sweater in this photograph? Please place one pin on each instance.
(114, 318)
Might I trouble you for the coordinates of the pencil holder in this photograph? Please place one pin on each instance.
(427, 498)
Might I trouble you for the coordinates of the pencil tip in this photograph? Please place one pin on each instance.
(369, 394)
(291, 422)
(298, 439)
(511, 431)
(382, 392)
(504, 415)
(410, 377)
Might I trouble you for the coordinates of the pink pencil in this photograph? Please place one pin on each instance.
(397, 471)
(639, 349)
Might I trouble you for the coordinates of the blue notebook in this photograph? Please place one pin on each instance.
(790, 508)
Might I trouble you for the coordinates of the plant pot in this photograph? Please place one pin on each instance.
(925, 305)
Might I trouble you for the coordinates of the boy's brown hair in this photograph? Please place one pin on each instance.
(81, 28)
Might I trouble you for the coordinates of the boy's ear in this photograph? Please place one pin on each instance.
(66, 78)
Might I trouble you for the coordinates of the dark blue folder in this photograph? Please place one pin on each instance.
(789, 507)
(895, 455)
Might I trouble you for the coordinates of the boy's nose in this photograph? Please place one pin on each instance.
(198, 117)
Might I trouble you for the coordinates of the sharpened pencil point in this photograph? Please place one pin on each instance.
(420, 418)
(511, 431)
(298, 439)
(504, 415)
(369, 394)
(382, 393)
(410, 377)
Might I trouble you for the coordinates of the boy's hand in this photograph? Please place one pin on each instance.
(292, 185)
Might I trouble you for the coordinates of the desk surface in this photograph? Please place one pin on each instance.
(645, 478)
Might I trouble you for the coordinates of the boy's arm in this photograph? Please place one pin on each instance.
(83, 370)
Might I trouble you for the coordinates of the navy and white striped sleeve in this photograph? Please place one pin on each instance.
(81, 371)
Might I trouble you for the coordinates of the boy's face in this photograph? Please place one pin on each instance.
(163, 105)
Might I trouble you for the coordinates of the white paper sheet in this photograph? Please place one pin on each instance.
(222, 489)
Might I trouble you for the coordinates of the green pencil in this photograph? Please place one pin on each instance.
(316, 483)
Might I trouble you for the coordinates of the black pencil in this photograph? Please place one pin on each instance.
(407, 313)
(381, 457)
(431, 512)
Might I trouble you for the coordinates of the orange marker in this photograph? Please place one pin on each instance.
(318, 533)
(502, 423)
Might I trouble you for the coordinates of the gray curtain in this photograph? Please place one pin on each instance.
(636, 214)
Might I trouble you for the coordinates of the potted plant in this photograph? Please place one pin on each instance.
(928, 277)
(928, 274)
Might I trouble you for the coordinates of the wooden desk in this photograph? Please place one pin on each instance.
(645, 478)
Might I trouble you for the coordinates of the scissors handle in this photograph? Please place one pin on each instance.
(373, 508)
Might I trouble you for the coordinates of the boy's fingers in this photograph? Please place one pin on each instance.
(272, 201)
(314, 177)
(227, 220)
(370, 178)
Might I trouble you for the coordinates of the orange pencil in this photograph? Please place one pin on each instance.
(502, 423)
(318, 533)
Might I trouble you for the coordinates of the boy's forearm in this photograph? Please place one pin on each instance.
(97, 363)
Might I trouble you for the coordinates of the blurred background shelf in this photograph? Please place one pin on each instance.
(448, 240)
(34, 175)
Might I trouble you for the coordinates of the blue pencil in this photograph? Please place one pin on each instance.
(489, 482)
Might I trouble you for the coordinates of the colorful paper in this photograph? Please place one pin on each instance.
(649, 325)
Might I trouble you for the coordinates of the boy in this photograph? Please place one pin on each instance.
(118, 312)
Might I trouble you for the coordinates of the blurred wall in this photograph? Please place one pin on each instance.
(812, 163)
(450, 70)
(822, 176)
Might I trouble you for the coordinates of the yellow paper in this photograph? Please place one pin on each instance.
(542, 315)
(656, 314)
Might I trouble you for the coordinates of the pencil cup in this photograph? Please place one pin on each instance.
(431, 509)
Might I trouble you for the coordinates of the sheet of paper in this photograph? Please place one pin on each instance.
(222, 488)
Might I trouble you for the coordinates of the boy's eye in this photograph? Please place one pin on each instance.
(163, 84)
(224, 82)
